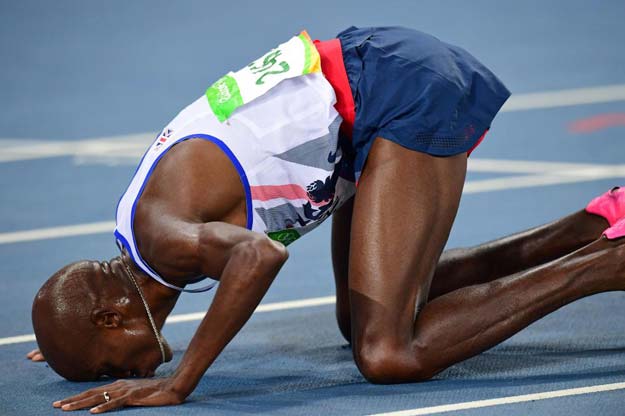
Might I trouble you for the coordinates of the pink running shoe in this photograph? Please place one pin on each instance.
(610, 205)
(616, 231)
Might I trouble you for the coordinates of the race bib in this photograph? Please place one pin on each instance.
(296, 57)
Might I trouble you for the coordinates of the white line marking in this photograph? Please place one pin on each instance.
(541, 174)
(537, 174)
(565, 98)
(506, 400)
(128, 148)
(530, 166)
(114, 148)
(198, 316)
(268, 307)
(529, 181)
(18, 339)
(57, 232)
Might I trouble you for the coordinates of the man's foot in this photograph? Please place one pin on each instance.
(616, 231)
(610, 205)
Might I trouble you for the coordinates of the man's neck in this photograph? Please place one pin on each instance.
(160, 298)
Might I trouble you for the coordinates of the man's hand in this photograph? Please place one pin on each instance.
(123, 393)
(35, 355)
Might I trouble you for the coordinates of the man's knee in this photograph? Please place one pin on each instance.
(385, 363)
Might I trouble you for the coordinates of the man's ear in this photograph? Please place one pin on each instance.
(108, 318)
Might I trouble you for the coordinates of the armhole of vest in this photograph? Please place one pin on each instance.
(248, 203)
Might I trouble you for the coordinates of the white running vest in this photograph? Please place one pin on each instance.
(283, 144)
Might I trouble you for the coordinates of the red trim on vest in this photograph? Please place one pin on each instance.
(333, 68)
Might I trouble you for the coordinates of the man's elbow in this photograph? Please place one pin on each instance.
(272, 252)
(261, 256)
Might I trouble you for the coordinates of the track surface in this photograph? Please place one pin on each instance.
(75, 70)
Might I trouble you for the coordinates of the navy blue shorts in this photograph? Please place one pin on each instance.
(417, 91)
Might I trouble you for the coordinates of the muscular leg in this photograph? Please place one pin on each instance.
(404, 207)
(480, 264)
(463, 267)
(341, 231)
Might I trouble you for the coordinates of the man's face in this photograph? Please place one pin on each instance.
(90, 321)
(131, 351)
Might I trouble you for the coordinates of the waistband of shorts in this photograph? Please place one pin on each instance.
(333, 69)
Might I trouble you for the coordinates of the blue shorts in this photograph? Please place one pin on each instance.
(417, 91)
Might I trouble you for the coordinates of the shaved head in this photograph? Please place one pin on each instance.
(90, 321)
(62, 320)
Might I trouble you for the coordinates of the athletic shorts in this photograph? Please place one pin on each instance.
(419, 92)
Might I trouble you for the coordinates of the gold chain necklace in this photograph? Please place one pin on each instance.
(147, 309)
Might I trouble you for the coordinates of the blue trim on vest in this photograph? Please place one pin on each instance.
(246, 188)
(135, 174)
(122, 242)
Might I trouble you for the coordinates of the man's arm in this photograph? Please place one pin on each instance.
(247, 262)
(250, 263)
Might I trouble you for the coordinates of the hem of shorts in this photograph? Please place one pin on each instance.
(388, 135)
(433, 150)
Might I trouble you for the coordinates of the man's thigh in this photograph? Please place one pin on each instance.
(404, 208)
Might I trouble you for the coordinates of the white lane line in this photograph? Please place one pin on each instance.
(537, 174)
(532, 181)
(57, 232)
(129, 148)
(198, 316)
(506, 400)
(565, 98)
(531, 166)
(18, 339)
(267, 307)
